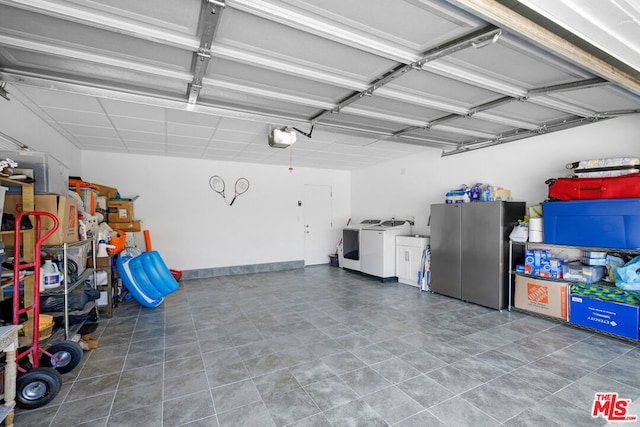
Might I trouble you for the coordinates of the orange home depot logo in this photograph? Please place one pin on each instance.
(612, 408)
(537, 293)
(73, 217)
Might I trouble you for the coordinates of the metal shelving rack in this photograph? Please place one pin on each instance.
(512, 272)
(67, 287)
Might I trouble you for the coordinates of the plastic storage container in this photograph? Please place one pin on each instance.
(49, 174)
(3, 192)
(577, 272)
(611, 223)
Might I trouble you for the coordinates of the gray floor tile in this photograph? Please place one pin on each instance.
(185, 384)
(83, 410)
(312, 372)
(276, 382)
(421, 419)
(458, 412)
(234, 395)
(393, 405)
(422, 361)
(365, 381)
(582, 392)
(183, 366)
(330, 393)
(522, 390)
(546, 380)
(343, 362)
(453, 380)
(478, 368)
(279, 348)
(92, 386)
(264, 364)
(128, 399)
(290, 406)
(623, 369)
(498, 405)
(152, 415)
(252, 415)
(354, 413)
(372, 353)
(425, 391)
(187, 408)
(395, 370)
(565, 414)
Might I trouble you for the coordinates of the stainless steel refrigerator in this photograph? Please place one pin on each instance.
(470, 250)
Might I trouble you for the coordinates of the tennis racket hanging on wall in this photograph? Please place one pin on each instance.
(217, 185)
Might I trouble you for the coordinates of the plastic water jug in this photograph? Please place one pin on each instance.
(49, 275)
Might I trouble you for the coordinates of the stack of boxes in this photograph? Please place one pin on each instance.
(118, 211)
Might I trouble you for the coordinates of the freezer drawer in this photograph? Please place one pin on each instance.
(445, 250)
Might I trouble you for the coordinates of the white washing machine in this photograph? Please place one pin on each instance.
(351, 243)
(378, 247)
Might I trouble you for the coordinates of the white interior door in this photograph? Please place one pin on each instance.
(318, 235)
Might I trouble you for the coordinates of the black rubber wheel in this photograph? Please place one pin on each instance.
(66, 356)
(37, 387)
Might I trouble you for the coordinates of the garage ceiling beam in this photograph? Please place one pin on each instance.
(546, 90)
(118, 24)
(209, 18)
(510, 20)
(483, 35)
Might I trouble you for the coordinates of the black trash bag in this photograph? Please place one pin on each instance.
(9, 222)
(88, 313)
(76, 301)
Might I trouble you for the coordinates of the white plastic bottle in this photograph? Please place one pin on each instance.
(49, 275)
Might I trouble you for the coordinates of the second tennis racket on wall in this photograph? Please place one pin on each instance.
(216, 183)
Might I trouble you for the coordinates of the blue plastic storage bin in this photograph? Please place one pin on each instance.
(613, 223)
(608, 316)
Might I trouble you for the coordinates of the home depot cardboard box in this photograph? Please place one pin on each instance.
(66, 210)
(546, 297)
(120, 210)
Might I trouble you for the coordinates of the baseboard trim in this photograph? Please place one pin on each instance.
(204, 273)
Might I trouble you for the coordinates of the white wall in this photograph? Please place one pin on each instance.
(193, 228)
(18, 122)
(408, 187)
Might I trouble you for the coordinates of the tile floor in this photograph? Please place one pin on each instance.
(325, 347)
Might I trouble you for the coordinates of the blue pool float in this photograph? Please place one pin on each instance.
(145, 276)
(158, 272)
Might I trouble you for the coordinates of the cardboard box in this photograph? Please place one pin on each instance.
(607, 316)
(542, 296)
(108, 192)
(101, 262)
(63, 207)
(66, 210)
(12, 204)
(126, 226)
(119, 211)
